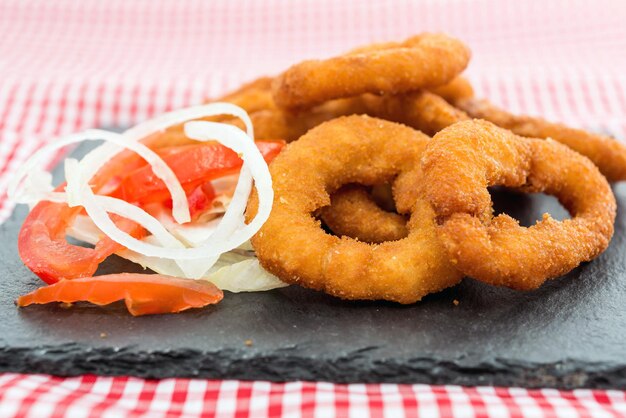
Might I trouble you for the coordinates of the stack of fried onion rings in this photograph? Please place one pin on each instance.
(442, 227)
(292, 244)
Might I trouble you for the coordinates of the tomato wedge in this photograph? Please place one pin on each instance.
(143, 294)
(193, 165)
(44, 250)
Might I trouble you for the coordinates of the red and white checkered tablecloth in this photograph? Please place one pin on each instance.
(87, 396)
(67, 65)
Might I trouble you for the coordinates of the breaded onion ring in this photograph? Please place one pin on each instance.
(292, 245)
(605, 152)
(354, 213)
(253, 96)
(463, 160)
(291, 125)
(458, 89)
(269, 121)
(421, 110)
(423, 61)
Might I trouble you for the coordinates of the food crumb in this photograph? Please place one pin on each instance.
(103, 335)
(248, 343)
(65, 305)
(456, 302)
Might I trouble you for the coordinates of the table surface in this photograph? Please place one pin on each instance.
(69, 65)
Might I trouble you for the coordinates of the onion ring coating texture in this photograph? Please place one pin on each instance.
(421, 110)
(605, 152)
(271, 122)
(458, 89)
(354, 213)
(463, 160)
(292, 245)
(423, 61)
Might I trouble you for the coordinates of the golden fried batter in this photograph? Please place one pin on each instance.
(292, 245)
(605, 152)
(463, 160)
(421, 110)
(290, 125)
(423, 61)
(252, 96)
(457, 89)
(354, 213)
(269, 121)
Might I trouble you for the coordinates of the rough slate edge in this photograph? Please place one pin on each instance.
(300, 362)
(283, 366)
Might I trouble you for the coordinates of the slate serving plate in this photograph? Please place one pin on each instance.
(569, 333)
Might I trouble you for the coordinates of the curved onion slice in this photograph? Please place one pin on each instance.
(38, 182)
(97, 158)
(232, 231)
(31, 170)
(176, 117)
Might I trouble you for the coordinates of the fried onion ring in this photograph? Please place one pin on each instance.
(269, 121)
(291, 125)
(292, 245)
(253, 96)
(607, 153)
(423, 61)
(458, 89)
(354, 213)
(421, 110)
(463, 160)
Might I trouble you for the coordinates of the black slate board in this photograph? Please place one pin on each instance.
(569, 333)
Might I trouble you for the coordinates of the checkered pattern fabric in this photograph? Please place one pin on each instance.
(39, 396)
(67, 65)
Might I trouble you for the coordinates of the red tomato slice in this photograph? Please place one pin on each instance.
(144, 294)
(200, 200)
(192, 164)
(44, 250)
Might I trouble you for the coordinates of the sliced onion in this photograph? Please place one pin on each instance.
(232, 232)
(95, 159)
(193, 234)
(93, 162)
(179, 116)
(234, 271)
(38, 185)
